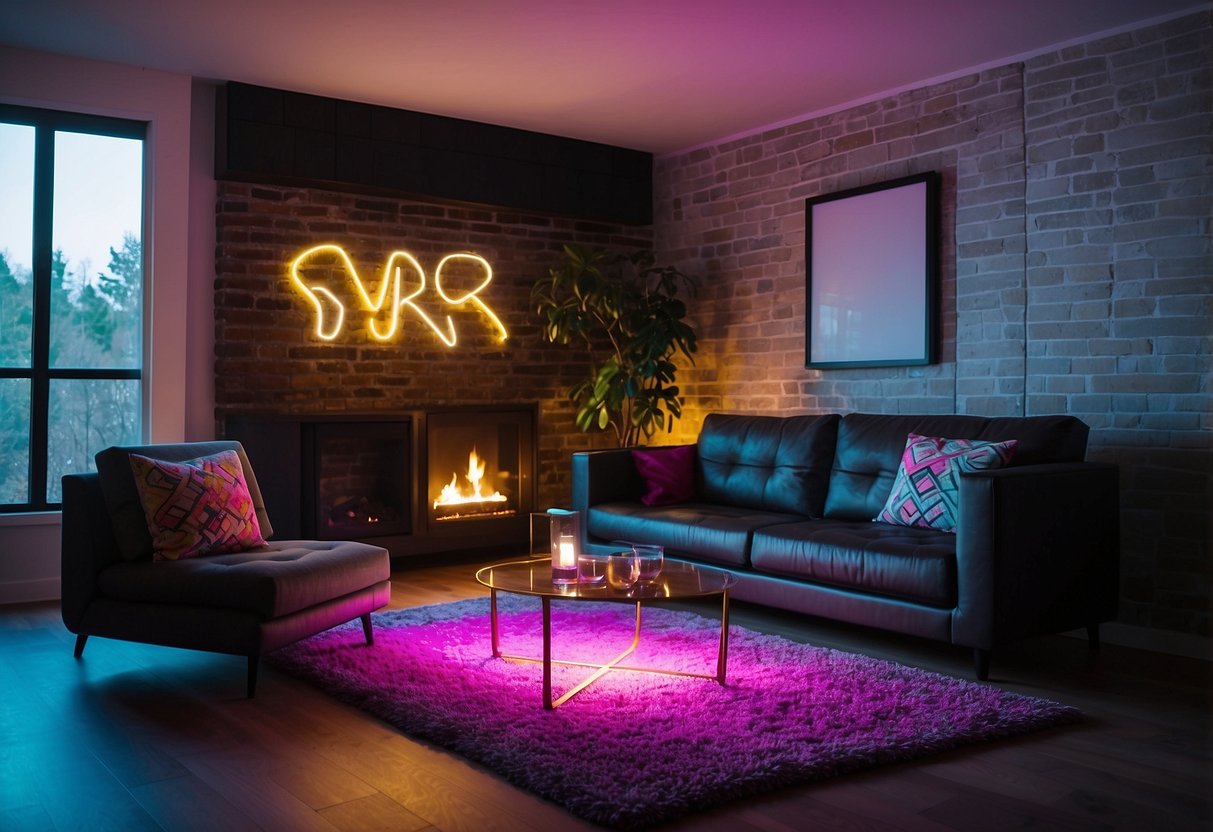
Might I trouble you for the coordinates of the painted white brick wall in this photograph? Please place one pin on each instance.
(1077, 272)
(1120, 290)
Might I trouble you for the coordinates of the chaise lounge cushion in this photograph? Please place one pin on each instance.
(910, 564)
(285, 577)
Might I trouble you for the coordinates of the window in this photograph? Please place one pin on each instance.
(71, 297)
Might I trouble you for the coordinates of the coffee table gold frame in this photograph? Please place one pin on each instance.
(678, 581)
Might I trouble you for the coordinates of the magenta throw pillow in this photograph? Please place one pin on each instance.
(926, 491)
(668, 474)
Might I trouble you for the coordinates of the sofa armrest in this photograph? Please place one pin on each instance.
(1037, 551)
(604, 477)
(87, 545)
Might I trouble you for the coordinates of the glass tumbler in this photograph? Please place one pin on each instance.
(623, 570)
(651, 558)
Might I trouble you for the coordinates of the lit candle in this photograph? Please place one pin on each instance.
(568, 558)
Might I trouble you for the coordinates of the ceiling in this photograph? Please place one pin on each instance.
(655, 75)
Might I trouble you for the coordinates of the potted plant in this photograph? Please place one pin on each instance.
(628, 313)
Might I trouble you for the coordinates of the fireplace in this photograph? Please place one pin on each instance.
(479, 472)
(425, 481)
(482, 455)
(359, 480)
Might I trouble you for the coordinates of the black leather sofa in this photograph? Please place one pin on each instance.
(786, 504)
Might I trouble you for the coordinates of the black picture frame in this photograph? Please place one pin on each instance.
(872, 274)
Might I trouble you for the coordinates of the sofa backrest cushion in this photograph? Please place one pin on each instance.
(767, 462)
(870, 447)
(122, 497)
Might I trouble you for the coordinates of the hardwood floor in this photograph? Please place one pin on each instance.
(137, 737)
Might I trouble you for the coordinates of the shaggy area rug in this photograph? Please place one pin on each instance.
(638, 749)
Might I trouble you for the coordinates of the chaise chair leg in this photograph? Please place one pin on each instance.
(252, 675)
(981, 664)
(366, 629)
(80, 639)
(1093, 636)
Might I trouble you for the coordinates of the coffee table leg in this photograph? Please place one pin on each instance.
(493, 635)
(547, 653)
(723, 656)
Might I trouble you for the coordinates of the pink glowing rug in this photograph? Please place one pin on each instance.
(635, 749)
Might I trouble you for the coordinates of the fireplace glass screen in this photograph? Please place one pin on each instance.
(474, 467)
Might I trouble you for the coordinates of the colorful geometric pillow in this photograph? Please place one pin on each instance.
(198, 507)
(668, 474)
(926, 491)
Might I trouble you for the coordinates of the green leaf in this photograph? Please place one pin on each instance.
(585, 419)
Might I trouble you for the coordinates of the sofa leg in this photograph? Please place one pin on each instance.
(981, 664)
(80, 639)
(1093, 636)
(366, 629)
(252, 675)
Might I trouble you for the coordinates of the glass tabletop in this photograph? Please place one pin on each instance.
(677, 580)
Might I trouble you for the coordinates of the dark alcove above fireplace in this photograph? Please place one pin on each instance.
(421, 482)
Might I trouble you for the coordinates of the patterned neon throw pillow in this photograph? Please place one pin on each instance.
(926, 491)
(198, 507)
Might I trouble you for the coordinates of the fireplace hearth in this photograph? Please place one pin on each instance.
(421, 482)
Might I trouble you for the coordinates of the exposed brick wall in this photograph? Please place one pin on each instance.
(1076, 272)
(1120, 289)
(269, 360)
(734, 213)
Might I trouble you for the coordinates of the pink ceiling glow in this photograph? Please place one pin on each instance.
(656, 75)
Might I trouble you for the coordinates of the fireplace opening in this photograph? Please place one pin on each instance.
(360, 478)
(475, 466)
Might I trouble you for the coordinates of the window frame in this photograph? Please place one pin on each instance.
(40, 374)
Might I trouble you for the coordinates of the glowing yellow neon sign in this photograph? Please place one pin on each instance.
(385, 305)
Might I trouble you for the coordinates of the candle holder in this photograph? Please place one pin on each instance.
(565, 535)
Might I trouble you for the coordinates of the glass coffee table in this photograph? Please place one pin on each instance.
(677, 581)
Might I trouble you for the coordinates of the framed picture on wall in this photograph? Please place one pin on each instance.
(871, 274)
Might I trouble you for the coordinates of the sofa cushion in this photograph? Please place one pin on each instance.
(284, 577)
(870, 445)
(668, 474)
(926, 492)
(771, 463)
(711, 533)
(122, 500)
(917, 565)
(196, 507)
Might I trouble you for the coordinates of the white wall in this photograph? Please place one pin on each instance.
(179, 247)
(200, 298)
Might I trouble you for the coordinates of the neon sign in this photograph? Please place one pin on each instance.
(320, 280)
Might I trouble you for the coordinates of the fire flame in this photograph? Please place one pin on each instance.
(452, 495)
